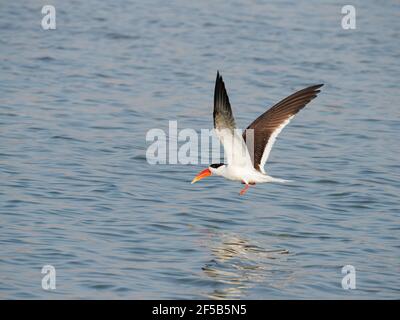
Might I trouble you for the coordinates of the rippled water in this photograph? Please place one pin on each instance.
(77, 193)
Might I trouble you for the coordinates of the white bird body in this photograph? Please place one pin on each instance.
(247, 175)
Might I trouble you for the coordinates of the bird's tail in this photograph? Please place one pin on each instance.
(272, 179)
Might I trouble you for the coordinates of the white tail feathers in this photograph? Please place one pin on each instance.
(271, 179)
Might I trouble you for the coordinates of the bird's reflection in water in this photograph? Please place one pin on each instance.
(237, 265)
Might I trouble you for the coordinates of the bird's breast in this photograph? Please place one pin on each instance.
(248, 175)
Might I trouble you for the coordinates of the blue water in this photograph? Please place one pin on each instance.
(76, 191)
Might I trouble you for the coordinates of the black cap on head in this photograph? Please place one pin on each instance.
(216, 165)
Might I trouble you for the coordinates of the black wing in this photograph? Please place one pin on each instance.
(223, 117)
(267, 126)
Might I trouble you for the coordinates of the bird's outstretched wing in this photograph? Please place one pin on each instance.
(234, 146)
(267, 126)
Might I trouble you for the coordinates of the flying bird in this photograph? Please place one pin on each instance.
(244, 164)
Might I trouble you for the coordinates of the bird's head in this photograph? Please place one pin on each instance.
(215, 168)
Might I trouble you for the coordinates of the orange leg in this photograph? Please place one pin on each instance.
(243, 191)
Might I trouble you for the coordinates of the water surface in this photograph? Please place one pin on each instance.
(77, 192)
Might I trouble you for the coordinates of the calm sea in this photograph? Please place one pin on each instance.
(77, 193)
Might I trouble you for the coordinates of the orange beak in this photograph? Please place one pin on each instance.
(202, 175)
